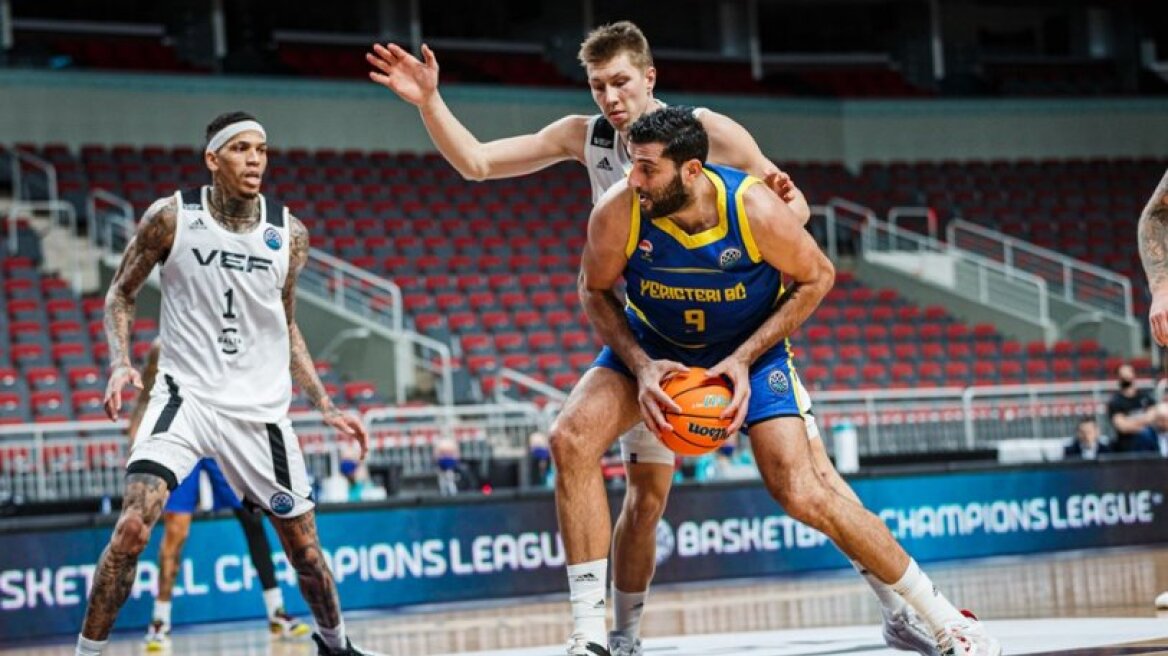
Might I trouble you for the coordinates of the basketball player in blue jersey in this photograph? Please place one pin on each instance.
(228, 259)
(703, 250)
(621, 75)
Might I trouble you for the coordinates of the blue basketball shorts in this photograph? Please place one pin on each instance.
(185, 497)
(775, 391)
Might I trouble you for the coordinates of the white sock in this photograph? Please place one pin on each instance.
(87, 647)
(587, 583)
(889, 600)
(628, 607)
(162, 612)
(922, 595)
(334, 637)
(274, 600)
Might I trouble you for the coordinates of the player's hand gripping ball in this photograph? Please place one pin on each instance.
(699, 427)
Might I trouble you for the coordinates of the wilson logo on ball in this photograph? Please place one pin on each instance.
(712, 432)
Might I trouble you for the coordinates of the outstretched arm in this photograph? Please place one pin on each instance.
(302, 368)
(416, 82)
(150, 246)
(603, 264)
(732, 145)
(1153, 238)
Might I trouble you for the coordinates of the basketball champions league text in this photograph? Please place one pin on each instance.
(485, 555)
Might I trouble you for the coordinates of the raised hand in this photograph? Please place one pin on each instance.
(397, 70)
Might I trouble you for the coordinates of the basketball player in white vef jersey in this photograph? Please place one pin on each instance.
(229, 259)
(620, 72)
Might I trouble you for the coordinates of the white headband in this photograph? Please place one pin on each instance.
(229, 131)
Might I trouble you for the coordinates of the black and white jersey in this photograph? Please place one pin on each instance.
(606, 155)
(224, 332)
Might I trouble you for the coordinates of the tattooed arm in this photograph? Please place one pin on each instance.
(302, 369)
(1153, 240)
(150, 246)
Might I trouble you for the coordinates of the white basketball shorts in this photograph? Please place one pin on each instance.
(262, 462)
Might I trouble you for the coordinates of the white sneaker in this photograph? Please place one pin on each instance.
(967, 637)
(157, 636)
(1162, 601)
(905, 630)
(620, 644)
(579, 645)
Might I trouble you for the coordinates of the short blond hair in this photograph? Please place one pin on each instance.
(608, 41)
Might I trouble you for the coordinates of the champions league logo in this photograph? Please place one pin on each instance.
(281, 503)
(777, 381)
(729, 257)
(666, 543)
(272, 239)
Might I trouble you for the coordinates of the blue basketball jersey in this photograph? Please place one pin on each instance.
(707, 291)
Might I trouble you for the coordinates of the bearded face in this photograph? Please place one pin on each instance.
(664, 199)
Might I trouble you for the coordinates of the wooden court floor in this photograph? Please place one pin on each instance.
(1083, 603)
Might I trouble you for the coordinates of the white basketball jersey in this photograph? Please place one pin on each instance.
(224, 331)
(607, 155)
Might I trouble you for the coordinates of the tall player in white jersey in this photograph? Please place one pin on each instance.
(229, 261)
(621, 75)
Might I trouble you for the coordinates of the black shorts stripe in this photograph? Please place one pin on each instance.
(154, 469)
(172, 405)
(279, 456)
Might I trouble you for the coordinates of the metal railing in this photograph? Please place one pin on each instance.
(961, 419)
(509, 380)
(969, 275)
(898, 214)
(12, 219)
(19, 160)
(104, 228)
(1074, 280)
(353, 289)
(86, 459)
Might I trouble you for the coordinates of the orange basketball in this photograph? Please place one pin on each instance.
(698, 428)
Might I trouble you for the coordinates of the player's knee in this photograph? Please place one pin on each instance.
(131, 534)
(805, 501)
(645, 509)
(308, 562)
(567, 445)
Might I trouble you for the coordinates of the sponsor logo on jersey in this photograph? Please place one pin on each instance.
(601, 141)
(282, 503)
(603, 165)
(272, 238)
(646, 248)
(229, 341)
(729, 257)
(198, 224)
(777, 381)
(233, 261)
(192, 206)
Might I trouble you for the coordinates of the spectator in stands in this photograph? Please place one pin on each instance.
(1087, 444)
(1153, 438)
(540, 465)
(1131, 412)
(730, 462)
(454, 475)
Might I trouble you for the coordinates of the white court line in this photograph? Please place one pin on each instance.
(1017, 637)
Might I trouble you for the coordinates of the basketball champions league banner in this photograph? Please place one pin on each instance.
(503, 547)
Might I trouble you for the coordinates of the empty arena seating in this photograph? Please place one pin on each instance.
(53, 353)
(1087, 209)
(490, 268)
